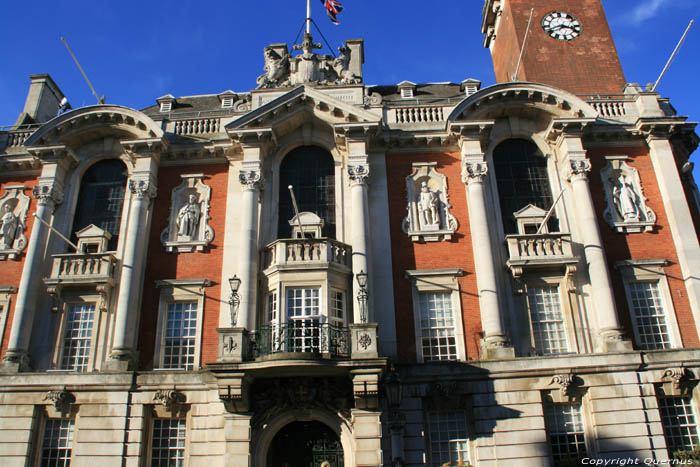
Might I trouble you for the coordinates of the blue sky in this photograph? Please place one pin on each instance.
(134, 52)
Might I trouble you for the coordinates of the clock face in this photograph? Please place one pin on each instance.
(561, 25)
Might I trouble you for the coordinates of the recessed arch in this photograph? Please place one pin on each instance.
(310, 170)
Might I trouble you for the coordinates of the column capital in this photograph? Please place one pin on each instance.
(358, 174)
(474, 171)
(143, 187)
(48, 193)
(251, 179)
(578, 168)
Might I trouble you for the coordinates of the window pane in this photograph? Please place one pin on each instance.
(521, 177)
(57, 443)
(649, 315)
(310, 170)
(447, 431)
(438, 337)
(180, 335)
(101, 198)
(566, 431)
(548, 330)
(77, 338)
(168, 443)
(302, 332)
(680, 426)
(337, 315)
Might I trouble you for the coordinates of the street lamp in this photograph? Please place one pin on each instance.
(234, 300)
(362, 294)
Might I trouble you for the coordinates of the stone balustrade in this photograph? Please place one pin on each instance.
(307, 252)
(197, 126)
(539, 250)
(83, 268)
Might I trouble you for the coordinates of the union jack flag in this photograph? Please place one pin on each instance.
(333, 8)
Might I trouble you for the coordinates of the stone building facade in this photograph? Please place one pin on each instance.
(317, 270)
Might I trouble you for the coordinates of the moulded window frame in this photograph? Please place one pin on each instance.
(471, 445)
(561, 283)
(42, 414)
(650, 270)
(582, 398)
(694, 397)
(179, 291)
(5, 302)
(437, 280)
(159, 412)
(98, 331)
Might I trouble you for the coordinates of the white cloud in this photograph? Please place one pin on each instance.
(646, 10)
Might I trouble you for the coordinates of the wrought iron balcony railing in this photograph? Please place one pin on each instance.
(300, 336)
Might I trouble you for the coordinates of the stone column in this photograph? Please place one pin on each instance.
(251, 181)
(358, 173)
(48, 194)
(474, 170)
(123, 354)
(680, 222)
(577, 169)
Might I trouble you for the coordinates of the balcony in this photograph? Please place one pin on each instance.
(82, 268)
(310, 253)
(545, 250)
(305, 337)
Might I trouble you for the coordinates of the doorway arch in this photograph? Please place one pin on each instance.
(264, 435)
(305, 444)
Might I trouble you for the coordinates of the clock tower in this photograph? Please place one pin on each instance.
(569, 44)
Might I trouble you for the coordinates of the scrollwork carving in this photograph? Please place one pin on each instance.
(251, 179)
(143, 188)
(474, 172)
(170, 399)
(358, 174)
(61, 400)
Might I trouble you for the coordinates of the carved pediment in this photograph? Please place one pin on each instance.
(298, 106)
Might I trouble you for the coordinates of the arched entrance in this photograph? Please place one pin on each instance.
(305, 444)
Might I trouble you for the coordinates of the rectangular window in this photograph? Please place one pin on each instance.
(337, 315)
(271, 308)
(678, 419)
(449, 442)
(548, 330)
(77, 338)
(651, 325)
(566, 431)
(180, 336)
(303, 317)
(437, 326)
(57, 443)
(168, 443)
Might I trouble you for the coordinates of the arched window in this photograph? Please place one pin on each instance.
(310, 171)
(101, 198)
(521, 177)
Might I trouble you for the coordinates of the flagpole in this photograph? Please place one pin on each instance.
(308, 16)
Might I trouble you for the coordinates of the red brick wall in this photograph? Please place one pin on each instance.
(162, 265)
(588, 64)
(407, 255)
(11, 270)
(656, 244)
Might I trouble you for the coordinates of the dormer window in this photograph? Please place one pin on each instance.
(227, 102)
(227, 98)
(166, 103)
(470, 86)
(407, 89)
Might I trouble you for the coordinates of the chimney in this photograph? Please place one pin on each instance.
(43, 100)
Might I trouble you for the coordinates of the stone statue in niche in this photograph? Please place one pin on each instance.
(428, 204)
(14, 205)
(428, 218)
(626, 209)
(626, 200)
(188, 218)
(9, 225)
(188, 226)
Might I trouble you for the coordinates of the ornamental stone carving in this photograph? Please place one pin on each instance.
(48, 194)
(474, 172)
(282, 69)
(61, 400)
(358, 174)
(626, 209)
(14, 205)
(251, 179)
(578, 168)
(428, 218)
(143, 188)
(170, 399)
(188, 226)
